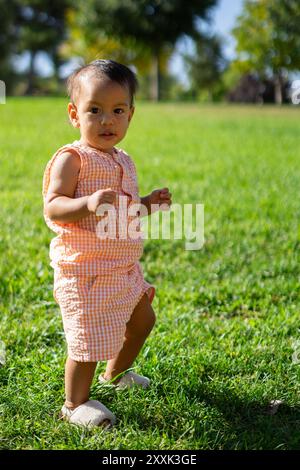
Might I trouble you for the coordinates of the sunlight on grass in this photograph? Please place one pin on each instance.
(227, 315)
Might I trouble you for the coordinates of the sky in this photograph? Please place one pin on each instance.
(223, 20)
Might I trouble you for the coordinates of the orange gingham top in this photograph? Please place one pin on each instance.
(94, 322)
(77, 249)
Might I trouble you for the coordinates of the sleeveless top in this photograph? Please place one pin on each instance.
(77, 249)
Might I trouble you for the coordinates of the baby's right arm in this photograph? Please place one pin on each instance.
(60, 204)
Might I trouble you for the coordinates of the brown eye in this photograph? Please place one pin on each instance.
(94, 110)
(119, 111)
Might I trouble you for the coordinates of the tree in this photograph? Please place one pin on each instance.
(155, 24)
(206, 65)
(268, 40)
(97, 44)
(7, 39)
(40, 26)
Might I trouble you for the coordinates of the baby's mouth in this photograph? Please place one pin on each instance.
(107, 134)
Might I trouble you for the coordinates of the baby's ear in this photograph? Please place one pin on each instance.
(73, 115)
(131, 113)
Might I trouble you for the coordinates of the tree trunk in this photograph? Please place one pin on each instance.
(155, 77)
(278, 88)
(31, 74)
(56, 65)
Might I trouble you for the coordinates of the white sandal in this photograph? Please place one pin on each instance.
(91, 413)
(129, 380)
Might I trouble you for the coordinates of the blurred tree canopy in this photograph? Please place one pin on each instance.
(153, 24)
(32, 26)
(144, 33)
(98, 44)
(40, 26)
(138, 32)
(7, 39)
(206, 66)
(268, 40)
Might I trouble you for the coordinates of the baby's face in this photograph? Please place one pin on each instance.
(102, 111)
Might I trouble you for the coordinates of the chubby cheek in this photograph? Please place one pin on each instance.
(90, 120)
(89, 124)
(123, 126)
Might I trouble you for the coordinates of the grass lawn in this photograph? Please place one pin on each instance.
(227, 315)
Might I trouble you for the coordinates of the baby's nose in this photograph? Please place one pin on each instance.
(106, 118)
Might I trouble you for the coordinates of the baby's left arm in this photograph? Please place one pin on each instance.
(157, 196)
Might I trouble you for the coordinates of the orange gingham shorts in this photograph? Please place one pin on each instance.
(96, 308)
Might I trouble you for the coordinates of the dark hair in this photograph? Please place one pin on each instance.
(113, 70)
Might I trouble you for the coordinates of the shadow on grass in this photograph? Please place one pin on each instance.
(220, 418)
(247, 424)
(228, 423)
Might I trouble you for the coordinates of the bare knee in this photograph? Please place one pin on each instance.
(143, 329)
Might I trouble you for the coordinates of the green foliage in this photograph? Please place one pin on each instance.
(41, 24)
(32, 26)
(205, 67)
(96, 43)
(7, 40)
(285, 16)
(231, 77)
(141, 33)
(268, 36)
(151, 22)
(7, 26)
(227, 315)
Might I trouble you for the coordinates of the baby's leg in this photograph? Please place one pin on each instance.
(78, 379)
(137, 329)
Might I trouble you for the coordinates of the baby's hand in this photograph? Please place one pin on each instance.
(161, 196)
(102, 196)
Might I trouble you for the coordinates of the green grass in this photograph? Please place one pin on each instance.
(227, 315)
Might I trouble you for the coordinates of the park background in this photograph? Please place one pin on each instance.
(216, 124)
(199, 50)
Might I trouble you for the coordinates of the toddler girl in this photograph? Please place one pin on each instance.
(104, 299)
